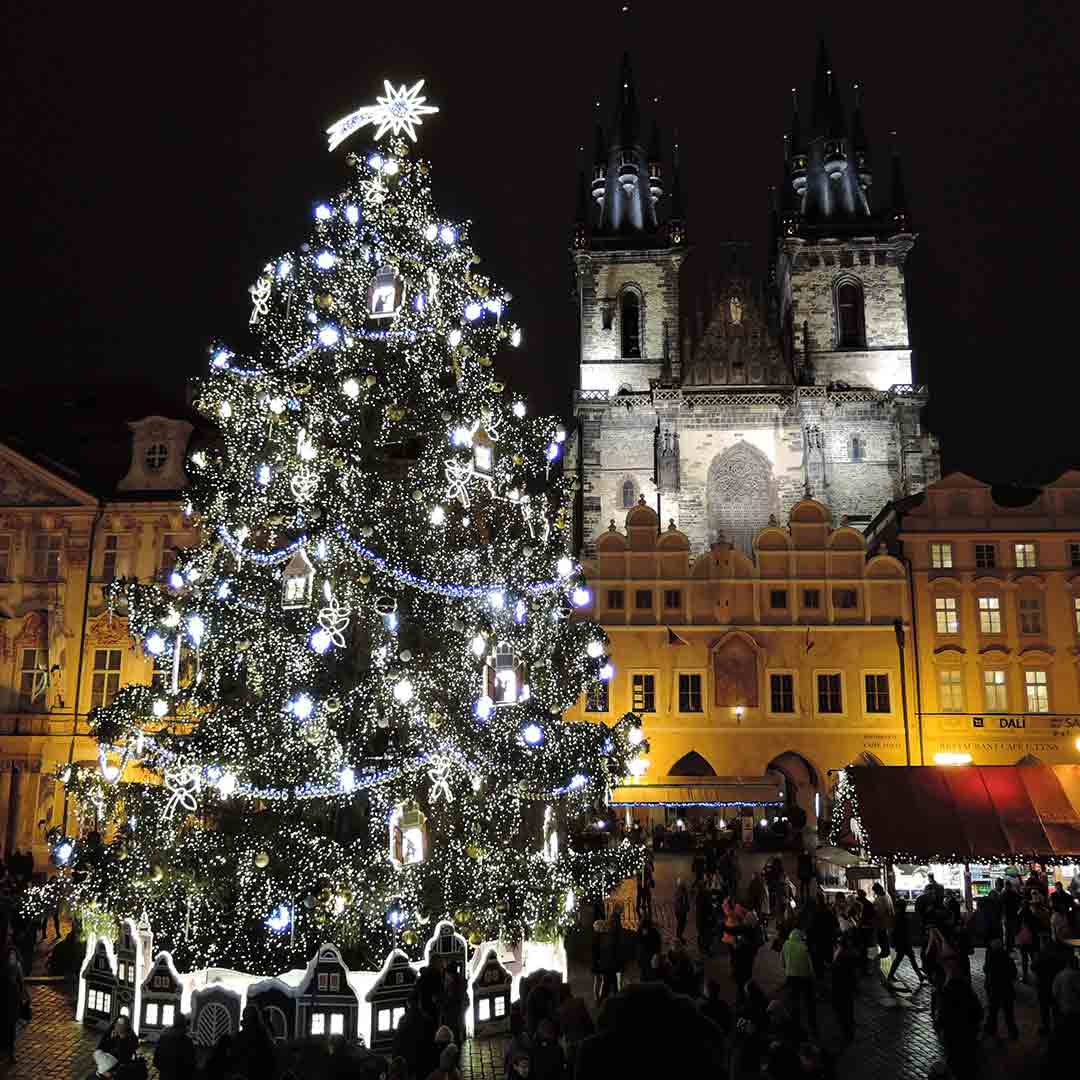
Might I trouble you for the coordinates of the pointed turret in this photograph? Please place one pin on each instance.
(656, 167)
(798, 159)
(600, 163)
(676, 225)
(860, 146)
(581, 214)
(901, 220)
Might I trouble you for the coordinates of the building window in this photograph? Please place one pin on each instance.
(1031, 621)
(630, 324)
(946, 614)
(47, 548)
(845, 598)
(829, 694)
(337, 1023)
(168, 1014)
(849, 316)
(644, 687)
(1076, 612)
(629, 495)
(615, 599)
(672, 599)
(152, 1014)
(782, 693)
(951, 689)
(689, 693)
(33, 678)
(989, 615)
(323, 977)
(1074, 555)
(811, 599)
(1037, 690)
(109, 556)
(858, 448)
(995, 690)
(941, 556)
(106, 679)
(5, 558)
(99, 1001)
(985, 556)
(877, 694)
(778, 598)
(156, 456)
(596, 700)
(318, 1022)
(643, 599)
(1025, 556)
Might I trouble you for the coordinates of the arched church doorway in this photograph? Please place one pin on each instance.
(740, 494)
(692, 764)
(802, 783)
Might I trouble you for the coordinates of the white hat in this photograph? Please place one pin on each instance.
(105, 1062)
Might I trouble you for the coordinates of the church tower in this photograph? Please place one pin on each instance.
(628, 245)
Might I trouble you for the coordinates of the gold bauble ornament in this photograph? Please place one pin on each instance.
(476, 938)
(462, 916)
(364, 579)
(502, 907)
(262, 860)
(410, 937)
(424, 168)
(369, 380)
(472, 851)
(518, 459)
(497, 387)
(300, 389)
(436, 720)
(157, 872)
(484, 361)
(324, 302)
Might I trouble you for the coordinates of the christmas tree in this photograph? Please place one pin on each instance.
(355, 729)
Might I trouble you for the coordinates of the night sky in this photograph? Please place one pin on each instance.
(157, 159)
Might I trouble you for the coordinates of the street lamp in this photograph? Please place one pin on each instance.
(739, 712)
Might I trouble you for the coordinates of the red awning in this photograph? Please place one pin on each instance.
(969, 813)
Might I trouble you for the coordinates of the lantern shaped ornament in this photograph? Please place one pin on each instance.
(298, 585)
(505, 676)
(549, 836)
(387, 293)
(408, 834)
(483, 448)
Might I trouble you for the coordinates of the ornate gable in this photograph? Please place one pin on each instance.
(25, 483)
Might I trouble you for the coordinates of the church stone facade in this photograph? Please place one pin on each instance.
(766, 392)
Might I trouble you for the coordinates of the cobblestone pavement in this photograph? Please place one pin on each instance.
(895, 1039)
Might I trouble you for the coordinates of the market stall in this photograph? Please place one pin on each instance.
(964, 824)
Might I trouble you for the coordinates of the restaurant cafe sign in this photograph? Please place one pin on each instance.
(1061, 726)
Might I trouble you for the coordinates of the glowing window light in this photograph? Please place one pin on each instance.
(329, 336)
(325, 260)
(323, 212)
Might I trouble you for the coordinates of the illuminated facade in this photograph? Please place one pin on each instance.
(749, 672)
(996, 578)
(61, 653)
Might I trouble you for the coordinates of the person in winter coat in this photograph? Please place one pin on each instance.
(884, 915)
(799, 977)
(120, 1041)
(13, 993)
(821, 934)
(682, 908)
(414, 1038)
(575, 1023)
(846, 965)
(454, 1001)
(999, 974)
(253, 1049)
(1054, 957)
(901, 942)
(747, 941)
(960, 1015)
(601, 959)
(1034, 926)
(649, 944)
(547, 1058)
(1011, 903)
(174, 1056)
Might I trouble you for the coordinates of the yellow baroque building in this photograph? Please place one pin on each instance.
(62, 540)
(996, 577)
(751, 676)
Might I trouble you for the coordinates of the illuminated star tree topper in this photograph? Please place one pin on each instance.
(400, 110)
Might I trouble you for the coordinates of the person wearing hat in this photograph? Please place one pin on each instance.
(104, 1066)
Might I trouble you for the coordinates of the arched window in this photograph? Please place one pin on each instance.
(850, 333)
(630, 323)
(858, 448)
(629, 495)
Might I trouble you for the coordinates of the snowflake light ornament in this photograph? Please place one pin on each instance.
(399, 111)
(334, 618)
(303, 485)
(439, 774)
(260, 298)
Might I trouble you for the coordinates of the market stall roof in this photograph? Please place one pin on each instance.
(717, 791)
(969, 813)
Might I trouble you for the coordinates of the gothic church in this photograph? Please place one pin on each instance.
(793, 387)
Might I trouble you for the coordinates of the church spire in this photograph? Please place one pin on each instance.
(860, 146)
(901, 220)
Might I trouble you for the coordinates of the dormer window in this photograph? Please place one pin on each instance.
(850, 329)
(628, 157)
(505, 676)
(630, 324)
(156, 456)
